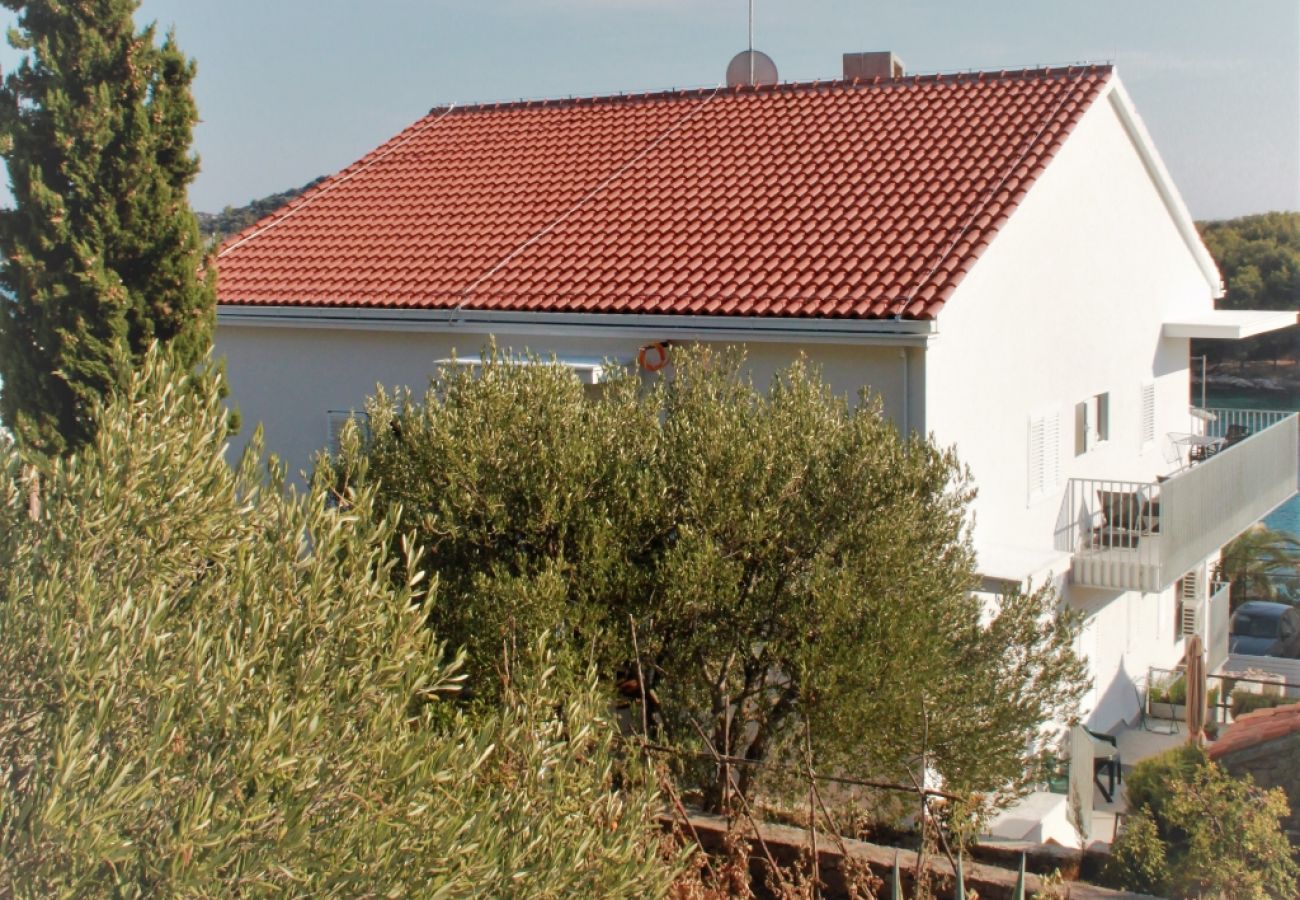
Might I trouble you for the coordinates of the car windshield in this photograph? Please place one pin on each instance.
(1254, 626)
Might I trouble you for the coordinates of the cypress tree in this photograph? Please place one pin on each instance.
(102, 254)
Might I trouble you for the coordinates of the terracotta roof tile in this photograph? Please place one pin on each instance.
(1257, 727)
(830, 199)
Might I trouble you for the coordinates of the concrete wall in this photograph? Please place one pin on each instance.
(1124, 635)
(287, 378)
(1068, 303)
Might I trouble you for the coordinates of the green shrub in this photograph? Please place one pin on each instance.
(1195, 831)
(212, 689)
(1244, 702)
(1137, 858)
(1172, 690)
(760, 539)
(1148, 785)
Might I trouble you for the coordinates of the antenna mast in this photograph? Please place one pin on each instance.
(751, 67)
(751, 41)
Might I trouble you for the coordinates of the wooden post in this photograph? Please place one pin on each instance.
(33, 479)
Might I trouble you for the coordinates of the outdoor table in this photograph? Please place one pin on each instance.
(1196, 447)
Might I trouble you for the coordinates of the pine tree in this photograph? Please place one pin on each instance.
(102, 254)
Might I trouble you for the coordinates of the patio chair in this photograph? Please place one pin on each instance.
(1121, 520)
(1105, 758)
(1235, 435)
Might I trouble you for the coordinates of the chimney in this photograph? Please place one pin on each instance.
(865, 66)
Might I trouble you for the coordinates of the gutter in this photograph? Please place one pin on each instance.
(893, 332)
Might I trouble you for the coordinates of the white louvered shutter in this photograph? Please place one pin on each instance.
(1044, 454)
(1147, 427)
(1189, 606)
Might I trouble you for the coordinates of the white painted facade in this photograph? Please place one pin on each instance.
(1082, 278)
(1068, 303)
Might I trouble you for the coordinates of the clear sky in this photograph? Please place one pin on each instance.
(292, 89)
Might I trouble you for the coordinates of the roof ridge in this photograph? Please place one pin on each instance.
(978, 76)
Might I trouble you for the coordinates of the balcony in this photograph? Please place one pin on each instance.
(1143, 536)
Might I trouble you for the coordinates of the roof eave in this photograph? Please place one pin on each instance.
(900, 332)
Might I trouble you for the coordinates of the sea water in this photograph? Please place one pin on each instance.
(1287, 516)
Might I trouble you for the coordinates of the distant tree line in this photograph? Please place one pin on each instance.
(216, 227)
(1259, 257)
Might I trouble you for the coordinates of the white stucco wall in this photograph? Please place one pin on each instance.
(1067, 303)
(286, 378)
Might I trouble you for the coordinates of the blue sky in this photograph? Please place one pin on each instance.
(292, 89)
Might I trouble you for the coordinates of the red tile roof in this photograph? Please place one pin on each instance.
(836, 199)
(1259, 727)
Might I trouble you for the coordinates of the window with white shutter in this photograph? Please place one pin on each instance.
(1189, 604)
(1091, 423)
(1044, 454)
(1147, 427)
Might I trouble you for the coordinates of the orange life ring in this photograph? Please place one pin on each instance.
(653, 357)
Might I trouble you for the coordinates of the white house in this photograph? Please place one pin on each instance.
(1001, 256)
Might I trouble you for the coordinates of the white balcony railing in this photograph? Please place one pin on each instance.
(1145, 535)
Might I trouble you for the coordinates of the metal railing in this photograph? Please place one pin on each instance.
(1113, 528)
(1144, 535)
(1238, 420)
(1220, 688)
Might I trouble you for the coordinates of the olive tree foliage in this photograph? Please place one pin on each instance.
(795, 570)
(212, 688)
(523, 497)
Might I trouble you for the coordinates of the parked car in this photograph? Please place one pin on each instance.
(1263, 628)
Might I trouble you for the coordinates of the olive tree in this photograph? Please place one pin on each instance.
(791, 565)
(215, 688)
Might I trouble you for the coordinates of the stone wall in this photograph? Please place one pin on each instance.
(789, 846)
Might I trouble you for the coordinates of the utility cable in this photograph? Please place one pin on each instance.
(587, 198)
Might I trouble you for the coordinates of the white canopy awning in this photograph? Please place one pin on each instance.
(589, 369)
(1230, 324)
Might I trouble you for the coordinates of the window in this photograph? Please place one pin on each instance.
(1286, 624)
(1091, 423)
(1147, 425)
(1044, 454)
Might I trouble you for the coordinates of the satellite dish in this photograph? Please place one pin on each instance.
(750, 67)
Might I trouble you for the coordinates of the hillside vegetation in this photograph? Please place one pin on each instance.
(1259, 257)
(216, 227)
